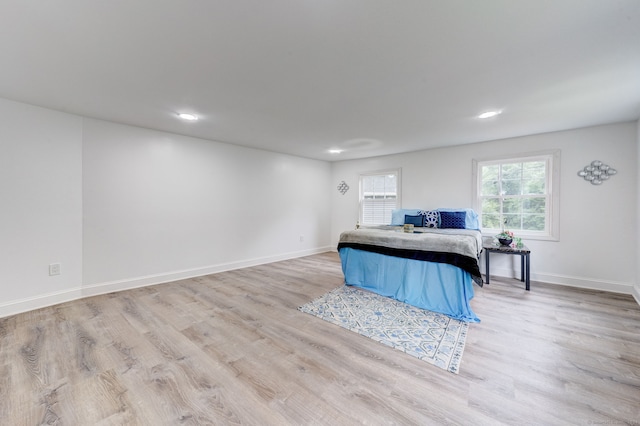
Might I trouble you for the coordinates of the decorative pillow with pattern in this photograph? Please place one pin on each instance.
(431, 218)
(471, 217)
(454, 220)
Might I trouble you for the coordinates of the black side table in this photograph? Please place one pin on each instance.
(523, 251)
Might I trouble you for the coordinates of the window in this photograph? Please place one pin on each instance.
(519, 194)
(379, 195)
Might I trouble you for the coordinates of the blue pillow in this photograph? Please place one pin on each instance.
(417, 220)
(397, 216)
(471, 217)
(455, 220)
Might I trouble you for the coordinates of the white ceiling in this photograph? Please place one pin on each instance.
(371, 77)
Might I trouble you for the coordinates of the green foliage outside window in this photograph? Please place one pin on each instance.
(514, 194)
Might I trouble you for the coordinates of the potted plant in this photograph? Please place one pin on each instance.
(508, 238)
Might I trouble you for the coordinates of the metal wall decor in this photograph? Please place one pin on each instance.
(597, 172)
(343, 187)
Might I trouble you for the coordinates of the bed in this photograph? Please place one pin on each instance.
(431, 268)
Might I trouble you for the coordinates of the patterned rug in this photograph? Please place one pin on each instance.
(429, 336)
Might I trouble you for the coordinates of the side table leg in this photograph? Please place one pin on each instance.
(486, 265)
(522, 267)
(528, 273)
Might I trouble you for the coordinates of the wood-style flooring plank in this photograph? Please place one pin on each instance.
(232, 348)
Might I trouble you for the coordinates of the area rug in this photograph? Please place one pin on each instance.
(429, 336)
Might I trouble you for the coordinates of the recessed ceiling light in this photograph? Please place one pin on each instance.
(335, 151)
(489, 114)
(187, 116)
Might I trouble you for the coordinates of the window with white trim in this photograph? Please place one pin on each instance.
(379, 196)
(519, 194)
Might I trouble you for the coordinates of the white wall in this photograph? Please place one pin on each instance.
(159, 206)
(636, 289)
(592, 251)
(146, 207)
(120, 206)
(41, 205)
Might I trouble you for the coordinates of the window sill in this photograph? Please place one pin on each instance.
(524, 236)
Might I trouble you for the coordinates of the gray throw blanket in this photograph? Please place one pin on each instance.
(465, 242)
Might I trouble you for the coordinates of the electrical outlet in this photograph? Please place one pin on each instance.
(301, 238)
(54, 269)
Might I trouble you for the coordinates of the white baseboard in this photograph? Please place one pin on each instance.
(580, 282)
(636, 293)
(130, 283)
(40, 301)
(49, 299)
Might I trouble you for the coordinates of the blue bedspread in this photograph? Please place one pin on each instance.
(437, 287)
(457, 247)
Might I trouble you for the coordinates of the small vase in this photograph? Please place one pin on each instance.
(505, 241)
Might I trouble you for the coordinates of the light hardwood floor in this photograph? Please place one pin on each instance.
(232, 348)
